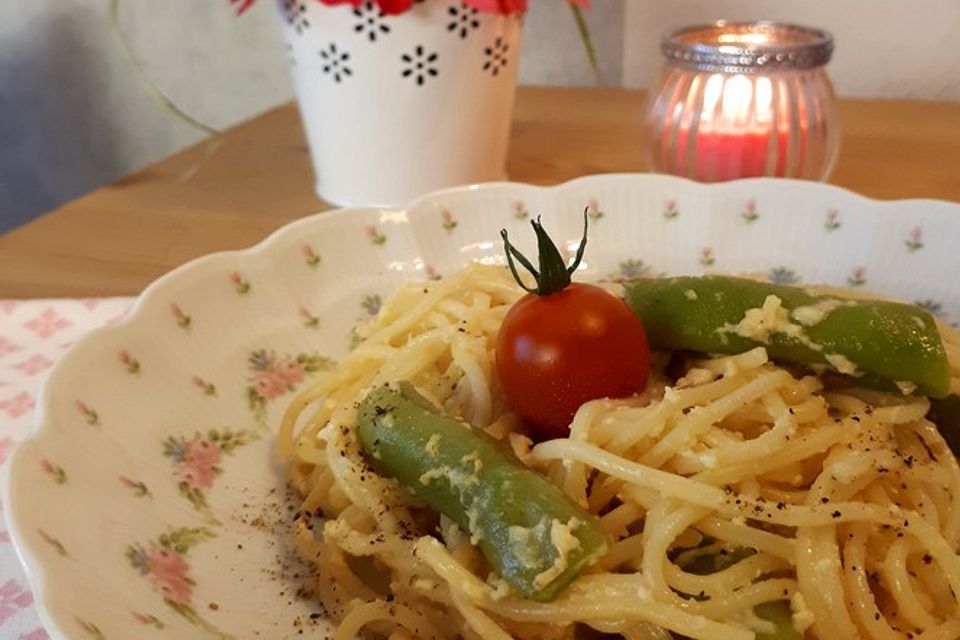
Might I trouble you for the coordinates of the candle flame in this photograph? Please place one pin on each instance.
(711, 94)
(743, 100)
(737, 96)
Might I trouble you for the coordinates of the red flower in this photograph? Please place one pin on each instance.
(393, 7)
(244, 5)
(498, 6)
(510, 6)
(389, 7)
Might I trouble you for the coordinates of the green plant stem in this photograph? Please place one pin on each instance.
(587, 41)
(165, 102)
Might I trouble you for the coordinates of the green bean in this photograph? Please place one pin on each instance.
(779, 614)
(535, 536)
(709, 559)
(869, 339)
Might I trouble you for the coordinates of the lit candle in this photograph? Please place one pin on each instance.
(727, 109)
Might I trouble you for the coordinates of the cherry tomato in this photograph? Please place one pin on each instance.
(555, 352)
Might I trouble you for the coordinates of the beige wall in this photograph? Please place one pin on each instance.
(73, 117)
(884, 48)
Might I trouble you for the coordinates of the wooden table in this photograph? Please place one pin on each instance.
(117, 239)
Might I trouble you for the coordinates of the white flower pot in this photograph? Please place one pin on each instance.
(396, 106)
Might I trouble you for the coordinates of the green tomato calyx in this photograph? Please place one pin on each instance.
(553, 275)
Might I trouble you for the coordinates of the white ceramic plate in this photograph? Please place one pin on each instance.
(149, 503)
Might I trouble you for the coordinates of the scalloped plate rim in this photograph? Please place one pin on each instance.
(38, 578)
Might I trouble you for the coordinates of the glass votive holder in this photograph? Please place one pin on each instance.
(738, 100)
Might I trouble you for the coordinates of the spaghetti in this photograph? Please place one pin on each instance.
(845, 504)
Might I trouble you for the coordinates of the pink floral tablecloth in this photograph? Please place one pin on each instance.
(34, 334)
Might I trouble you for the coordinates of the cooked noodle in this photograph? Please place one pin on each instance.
(849, 499)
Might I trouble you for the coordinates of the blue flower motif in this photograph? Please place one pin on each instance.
(138, 559)
(782, 275)
(175, 449)
(633, 269)
(371, 304)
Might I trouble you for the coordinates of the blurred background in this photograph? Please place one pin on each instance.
(73, 116)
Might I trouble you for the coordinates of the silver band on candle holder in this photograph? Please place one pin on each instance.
(747, 47)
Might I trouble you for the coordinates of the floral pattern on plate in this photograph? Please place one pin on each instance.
(164, 563)
(310, 257)
(273, 376)
(205, 347)
(197, 462)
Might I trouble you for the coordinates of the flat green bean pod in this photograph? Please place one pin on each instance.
(871, 340)
(532, 533)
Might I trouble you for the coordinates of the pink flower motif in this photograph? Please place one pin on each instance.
(34, 365)
(240, 284)
(309, 320)
(90, 303)
(202, 452)
(89, 414)
(208, 388)
(168, 571)
(132, 364)
(376, 237)
(5, 536)
(7, 306)
(166, 564)
(37, 634)
(6, 346)
(915, 241)
(446, 216)
(290, 371)
(269, 384)
(857, 277)
(17, 405)
(520, 210)
(13, 596)
(183, 320)
(310, 256)
(47, 323)
(197, 475)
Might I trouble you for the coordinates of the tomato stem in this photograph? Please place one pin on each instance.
(553, 275)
